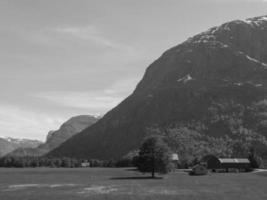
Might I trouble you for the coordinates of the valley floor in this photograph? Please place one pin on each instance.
(110, 183)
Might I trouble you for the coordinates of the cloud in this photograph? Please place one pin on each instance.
(21, 123)
(94, 102)
(71, 37)
(89, 33)
(73, 45)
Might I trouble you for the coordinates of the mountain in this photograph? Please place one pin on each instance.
(8, 145)
(214, 82)
(55, 138)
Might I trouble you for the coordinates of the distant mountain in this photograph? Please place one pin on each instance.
(214, 82)
(55, 138)
(8, 145)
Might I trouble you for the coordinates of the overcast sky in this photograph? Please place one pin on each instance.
(61, 58)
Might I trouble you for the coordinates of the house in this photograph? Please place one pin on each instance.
(174, 157)
(237, 164)
(85, 164)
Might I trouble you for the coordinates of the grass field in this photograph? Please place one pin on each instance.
(101, 183)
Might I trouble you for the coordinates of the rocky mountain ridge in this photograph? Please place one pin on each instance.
(54, 138)
(214, 83)
(8, 144)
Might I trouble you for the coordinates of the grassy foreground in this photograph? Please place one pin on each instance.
(100, 183)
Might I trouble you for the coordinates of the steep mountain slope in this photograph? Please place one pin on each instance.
(55, 138)
(215, 83)
(8, 145)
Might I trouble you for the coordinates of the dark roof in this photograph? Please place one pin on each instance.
(234, 160)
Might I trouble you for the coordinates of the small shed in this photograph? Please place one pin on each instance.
(215, 163)
(85, 164)
(199, 169)
(174, 159)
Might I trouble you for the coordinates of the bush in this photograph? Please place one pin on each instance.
(255, 161)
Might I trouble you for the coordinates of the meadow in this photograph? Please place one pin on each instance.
(122, 183)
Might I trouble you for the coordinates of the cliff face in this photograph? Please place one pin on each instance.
(67, 130)
(55, 138)
(216, 80)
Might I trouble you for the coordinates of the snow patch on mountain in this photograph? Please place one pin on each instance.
(258, 85)
(185, 79)
(256, 61)
(258, 21)
(238, 84)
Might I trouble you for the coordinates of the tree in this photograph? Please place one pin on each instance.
(154, 156)
(66, 162)
(255, 160)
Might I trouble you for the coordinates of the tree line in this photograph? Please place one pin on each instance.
(21, 162)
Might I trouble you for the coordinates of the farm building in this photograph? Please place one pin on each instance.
(85, 164)
(174, 157)
(215, 163)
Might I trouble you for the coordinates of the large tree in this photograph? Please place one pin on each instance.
(154, 156)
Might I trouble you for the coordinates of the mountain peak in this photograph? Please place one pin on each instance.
(203, 56)
(54, 138)
(207, 83)
(257, 21)
(8, 144)
(213, 33)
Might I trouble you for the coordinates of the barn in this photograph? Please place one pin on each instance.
(214, 163)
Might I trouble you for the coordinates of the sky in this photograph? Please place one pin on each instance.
(62, 58)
